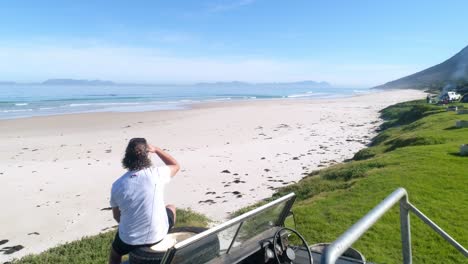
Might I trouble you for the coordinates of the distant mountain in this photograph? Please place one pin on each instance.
(303, 83)
(233, 84)
(308, 84)
(452, 72)
(6, 83)
(76, 82)
(222, 84)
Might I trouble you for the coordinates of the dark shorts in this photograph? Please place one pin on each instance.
(123, 248)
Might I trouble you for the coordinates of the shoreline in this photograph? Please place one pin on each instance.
(184, 104)
(58, 169)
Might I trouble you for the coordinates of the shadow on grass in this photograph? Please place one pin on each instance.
(457, 154)
(452, 128)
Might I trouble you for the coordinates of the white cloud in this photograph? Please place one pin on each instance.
(122, 64)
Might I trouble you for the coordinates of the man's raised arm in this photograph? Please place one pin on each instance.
(166, 158)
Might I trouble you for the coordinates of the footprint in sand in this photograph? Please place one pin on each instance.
(11, 250)
(209, 201)
(237, 181)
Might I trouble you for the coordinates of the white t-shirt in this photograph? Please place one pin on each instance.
(140, 198)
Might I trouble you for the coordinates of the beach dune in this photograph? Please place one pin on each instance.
(57, 171)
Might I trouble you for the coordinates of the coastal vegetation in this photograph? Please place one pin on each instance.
(417, 148)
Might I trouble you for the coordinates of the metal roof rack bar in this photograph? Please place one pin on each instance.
(340, 245)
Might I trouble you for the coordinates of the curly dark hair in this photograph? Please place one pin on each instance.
(136, 155)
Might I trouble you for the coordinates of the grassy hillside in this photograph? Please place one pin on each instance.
(452, 71)
(418, 151)
(95, 249)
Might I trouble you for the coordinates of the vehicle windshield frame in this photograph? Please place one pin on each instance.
(288, 201)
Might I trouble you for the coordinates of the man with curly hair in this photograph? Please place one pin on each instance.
(137, 199)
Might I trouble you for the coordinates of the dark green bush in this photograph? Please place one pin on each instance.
(414, 141)
(364, 154)
(406, 113)
(356, 170)
(312, 187)
(381, 137)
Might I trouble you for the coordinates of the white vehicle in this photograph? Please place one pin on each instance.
(450, 96)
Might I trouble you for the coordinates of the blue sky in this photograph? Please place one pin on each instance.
(348, 43)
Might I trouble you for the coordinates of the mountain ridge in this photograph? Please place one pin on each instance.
(450, 72)
(64, 81)
(312, 84)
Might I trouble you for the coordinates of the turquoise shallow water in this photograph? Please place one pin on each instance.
(21, 100)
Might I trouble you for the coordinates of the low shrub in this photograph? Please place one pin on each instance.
(380, 138)
(356, 170)
(311, 188)
(406, 113)
(364, 154)
(414, 141)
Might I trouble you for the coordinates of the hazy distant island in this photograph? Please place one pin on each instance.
(232, 84)
(76, 82)
(6, 83)
(308, 84)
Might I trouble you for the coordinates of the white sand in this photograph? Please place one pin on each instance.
(57, 171)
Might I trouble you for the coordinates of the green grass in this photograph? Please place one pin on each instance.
(418, 150)
(95, 249)
(407, 112)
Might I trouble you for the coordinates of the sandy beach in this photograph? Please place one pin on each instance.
(57, 171)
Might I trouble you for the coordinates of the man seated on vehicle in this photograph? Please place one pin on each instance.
(137, 199)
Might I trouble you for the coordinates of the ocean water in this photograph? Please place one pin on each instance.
(22, 100)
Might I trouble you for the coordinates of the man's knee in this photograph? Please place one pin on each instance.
(173, 210)
(171, 207)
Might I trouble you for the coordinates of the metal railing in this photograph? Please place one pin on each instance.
(340, 245)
